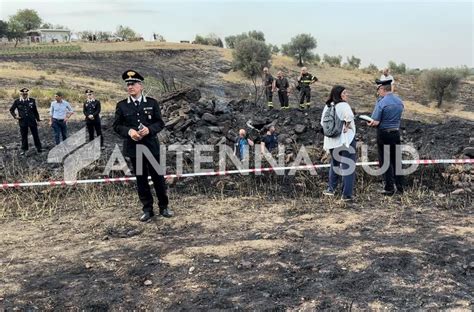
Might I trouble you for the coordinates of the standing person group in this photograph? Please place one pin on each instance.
(25, 110)
(282, 86)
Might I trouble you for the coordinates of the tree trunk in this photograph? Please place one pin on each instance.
(440, 97)
(300, 60)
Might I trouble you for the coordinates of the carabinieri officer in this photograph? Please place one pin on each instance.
(28, 117)
(387, 117)
(138, 121)
(91, 110)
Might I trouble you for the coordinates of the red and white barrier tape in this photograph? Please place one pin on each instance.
(228, 172)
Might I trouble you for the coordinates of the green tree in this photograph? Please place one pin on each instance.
(125, 33)
(231, 41)
(27, 18)
(16, 31)
(275, 49)
(257, 35)
(300, 48)
(441, 83)
(397, 69)
(3, 29)
(47, 26)
(211, 39)
(371, 69)
(251, 56)
(333, 61)
(103, 35)
(353, 62)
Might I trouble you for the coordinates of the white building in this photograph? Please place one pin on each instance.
(49, 35)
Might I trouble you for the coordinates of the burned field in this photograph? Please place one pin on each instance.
(239, 242)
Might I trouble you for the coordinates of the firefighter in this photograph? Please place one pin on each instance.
(304, 85)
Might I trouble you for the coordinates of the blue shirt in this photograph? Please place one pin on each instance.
(60, 110)
(388, 111)
(243, 148)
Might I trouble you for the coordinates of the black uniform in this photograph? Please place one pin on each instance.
(93, 108)
(305, 91)
(129, 115)
(28, 117)
(282, 85)
(268, 81)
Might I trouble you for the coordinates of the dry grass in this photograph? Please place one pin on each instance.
(141, 45)
(27, 71)
(43, 84)
(432, 113)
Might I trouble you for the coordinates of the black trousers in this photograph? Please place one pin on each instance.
(305, 94)
(95, 125)
(24, 136)
(390, 139)
(283, 97)
(269, 94)
(143, 188)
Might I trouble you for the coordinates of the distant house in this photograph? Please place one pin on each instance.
(49, 35)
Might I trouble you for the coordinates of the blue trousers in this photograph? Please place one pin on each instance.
(59, 129)
(348, 180)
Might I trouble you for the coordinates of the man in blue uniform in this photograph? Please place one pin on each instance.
(387, 117)
(138, 121)
(28, 117)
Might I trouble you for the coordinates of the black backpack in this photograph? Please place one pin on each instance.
(332, 125)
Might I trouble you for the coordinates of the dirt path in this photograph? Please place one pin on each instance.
(406, 253)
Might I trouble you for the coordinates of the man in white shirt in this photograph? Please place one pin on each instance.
(386, 76)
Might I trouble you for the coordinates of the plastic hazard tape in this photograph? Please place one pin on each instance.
(227, 172)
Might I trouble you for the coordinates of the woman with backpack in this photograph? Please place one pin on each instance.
(339, 131)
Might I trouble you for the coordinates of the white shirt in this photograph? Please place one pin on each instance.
(344, 112)
(389, 77)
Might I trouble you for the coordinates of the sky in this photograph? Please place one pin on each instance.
(421, 34)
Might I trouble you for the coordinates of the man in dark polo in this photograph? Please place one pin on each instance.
(138, 121)
(387, 117)
(91, 111)
(28, 117)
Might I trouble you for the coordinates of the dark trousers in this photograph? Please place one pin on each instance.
(24, 136)
(305, 94)
(95, 125)
(283, 97)
(391, 139)
(269, 94)
(143, 188)
(347, 180)
(59, 129)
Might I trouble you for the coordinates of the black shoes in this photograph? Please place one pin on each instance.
(166, 212)
(391, 192)
(147, 216)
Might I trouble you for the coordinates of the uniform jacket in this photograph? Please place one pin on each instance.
(91, 108)
(128, 116)
(27, 111)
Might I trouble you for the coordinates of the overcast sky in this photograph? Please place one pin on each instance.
(421, 34)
